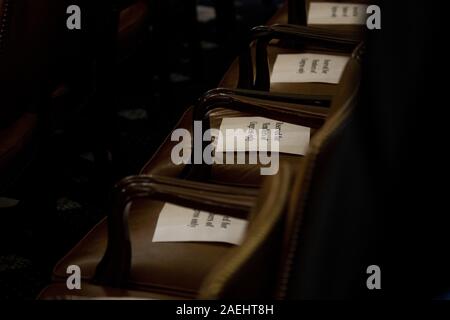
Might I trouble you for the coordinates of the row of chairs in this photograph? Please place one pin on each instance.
(118, 258)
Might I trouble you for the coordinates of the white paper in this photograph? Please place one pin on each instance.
(308, 67)
(337, 13)
(293, 139)
(180, 224)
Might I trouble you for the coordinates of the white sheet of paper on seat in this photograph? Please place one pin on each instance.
(308, 67)
(293, 139)
(337, 13)
(180, 224)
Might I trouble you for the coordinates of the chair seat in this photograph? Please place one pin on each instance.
(168, 268)
(243, 175)
(59, 291)
(231, 77)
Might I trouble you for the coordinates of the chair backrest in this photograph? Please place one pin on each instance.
(325, 244)
(250, 270)
(261, 266)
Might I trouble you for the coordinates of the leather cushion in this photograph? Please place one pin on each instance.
(249, 175)
(230, 79)
(234, 174)
(59, 291)
(168, 268)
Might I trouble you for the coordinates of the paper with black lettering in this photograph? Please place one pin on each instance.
(337, 13)
(180, 224)
(246, 131)
(308, 67)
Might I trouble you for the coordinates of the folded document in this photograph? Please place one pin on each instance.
(248, 134)
(180, 224)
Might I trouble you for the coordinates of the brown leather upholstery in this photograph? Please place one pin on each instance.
(309, 190)
(176, 268)
(230, 80)
(248, 175)
(180, 269)
(59, 291)
(275, 47)
(208, 270)
(155, 266)
(240, 175)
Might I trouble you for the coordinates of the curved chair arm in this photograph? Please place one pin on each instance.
(114, 268)
(262, 35)
(311, 35)
(295, 98)
(257, 103)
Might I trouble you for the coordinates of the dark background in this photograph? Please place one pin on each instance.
(400, 124)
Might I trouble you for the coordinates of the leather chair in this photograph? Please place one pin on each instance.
(310, 111)
(259, 268)
(296, 103)
(254, 67)
(293, 12)
(178, 270)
